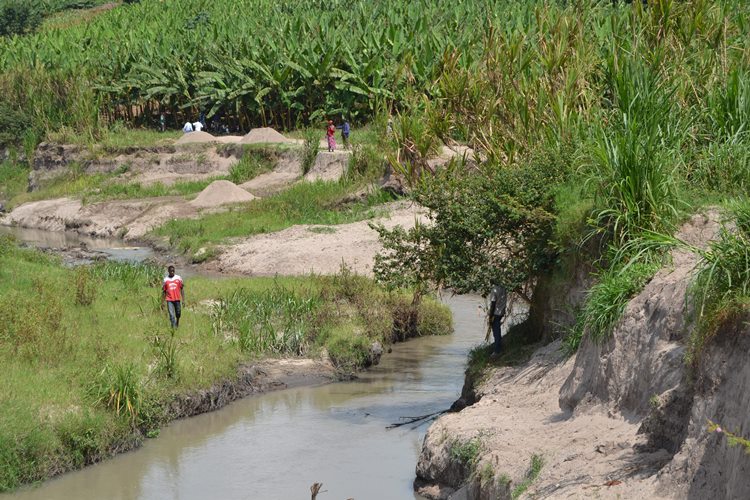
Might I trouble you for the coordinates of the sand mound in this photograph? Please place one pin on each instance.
(221, 193)
(195, 137)
(264, 134)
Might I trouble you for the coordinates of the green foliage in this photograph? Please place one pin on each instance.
(490, 227)
(535, 468)
(13, 124)
(132, 275)
(166, 346)
(730, 106)
(251, 164)
(733, 439)
(118, 388)
(85, 287)
(466, 452)
(310, 149)
(721, 286)
(18, 17)
(347, 353)
(303, 203)
(14, 180)
(607, 299)
(30, 324)
(270, 321)
(722, 167)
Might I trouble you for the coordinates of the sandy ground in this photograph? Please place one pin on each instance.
(586, 455)
(319, 249)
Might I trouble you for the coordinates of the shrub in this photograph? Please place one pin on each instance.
(434, 318)
(18, 17)
(348, 352)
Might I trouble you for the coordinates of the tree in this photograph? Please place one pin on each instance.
(491, 226)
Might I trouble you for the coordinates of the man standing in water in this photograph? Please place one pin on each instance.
(495, 314)
(173, 293)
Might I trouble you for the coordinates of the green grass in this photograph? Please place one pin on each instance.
(116, 138)
(607, 300)
(14, 180)
(116, 190)
(83, 370)
(535, 468)
(251, 164)
(466, 452)
(303, 203)
(720, 290)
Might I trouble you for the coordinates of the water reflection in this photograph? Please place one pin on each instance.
(276, 445)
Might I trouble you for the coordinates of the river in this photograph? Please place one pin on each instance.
(275, 446)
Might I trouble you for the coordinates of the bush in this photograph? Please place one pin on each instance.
(348, 352)
(434, 319)
(14, 124)
(18, 17)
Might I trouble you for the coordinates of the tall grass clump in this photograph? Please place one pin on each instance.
(721, 286)
(133, 275)
(271, 321)
(310, 149)
(118, 388)
(607, 300)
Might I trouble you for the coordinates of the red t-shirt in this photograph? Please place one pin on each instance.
(173, 288)
(330, 131)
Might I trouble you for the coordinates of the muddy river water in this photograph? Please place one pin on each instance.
(275, 446)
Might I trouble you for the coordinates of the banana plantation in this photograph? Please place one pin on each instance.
(224, 58)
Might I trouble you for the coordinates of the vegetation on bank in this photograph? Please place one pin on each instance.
(91, 365)
(317, 202)
(595, 127)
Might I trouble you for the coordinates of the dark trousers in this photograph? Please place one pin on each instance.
(497, 334)
(175, 310)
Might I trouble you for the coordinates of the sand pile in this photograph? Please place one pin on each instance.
(195, 137)
(264, 134)
(221, 193)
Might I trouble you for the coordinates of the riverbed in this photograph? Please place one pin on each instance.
(276, 445)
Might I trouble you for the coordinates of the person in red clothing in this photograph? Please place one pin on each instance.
(329, 134)
(173, 293)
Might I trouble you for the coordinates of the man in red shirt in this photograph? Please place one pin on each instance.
(173, 293)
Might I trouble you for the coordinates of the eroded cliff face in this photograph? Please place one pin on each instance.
(626, 418)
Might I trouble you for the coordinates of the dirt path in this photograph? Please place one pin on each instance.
(308, 248)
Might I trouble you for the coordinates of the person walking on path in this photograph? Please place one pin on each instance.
(329, 135)
(173, 293)
(495, 315)
(345, 129)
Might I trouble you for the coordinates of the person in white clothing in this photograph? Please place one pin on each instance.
(197, 126)
(188, 127)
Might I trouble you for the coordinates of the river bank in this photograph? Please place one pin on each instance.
(93, 367)
(626, 417)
